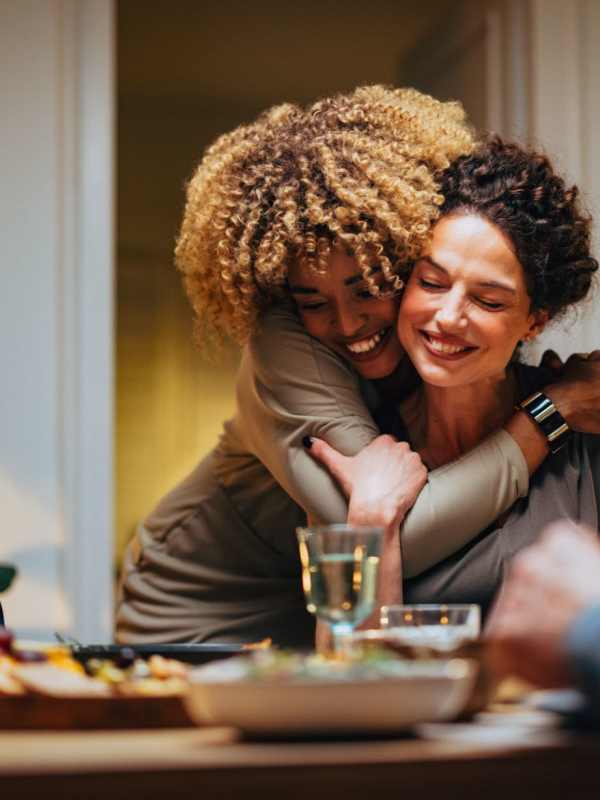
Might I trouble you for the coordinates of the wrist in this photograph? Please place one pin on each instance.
(562, 398)
(388, 518)
(544, 413)
(530, 439)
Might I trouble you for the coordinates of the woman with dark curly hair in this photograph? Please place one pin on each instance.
(305, 222)
(510, 252)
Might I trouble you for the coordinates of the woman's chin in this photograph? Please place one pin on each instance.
(442, 377)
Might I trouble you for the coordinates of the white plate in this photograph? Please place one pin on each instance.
(428, 691)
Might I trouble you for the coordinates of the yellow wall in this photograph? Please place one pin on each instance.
(170, 400)
(188, 71)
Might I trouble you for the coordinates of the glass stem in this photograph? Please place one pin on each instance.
(340, 631)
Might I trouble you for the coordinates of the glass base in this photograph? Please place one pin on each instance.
(342, 632)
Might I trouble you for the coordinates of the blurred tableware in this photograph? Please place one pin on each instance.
(442, 627)
(340, 565)
(478, 651)
(193, 653)
(228, 694)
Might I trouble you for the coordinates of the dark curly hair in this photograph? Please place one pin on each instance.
(518, 190)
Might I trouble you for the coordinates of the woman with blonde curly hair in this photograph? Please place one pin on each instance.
(298, 232)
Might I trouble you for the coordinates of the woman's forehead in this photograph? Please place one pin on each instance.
(470, 242)
(341, 267)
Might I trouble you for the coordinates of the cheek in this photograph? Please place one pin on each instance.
(387, 312)
(506, 332)
(312, 324)
(412, 310)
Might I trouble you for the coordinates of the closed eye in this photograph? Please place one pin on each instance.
(490, 304)
(430, 284)
(311, 306)
(365, 294)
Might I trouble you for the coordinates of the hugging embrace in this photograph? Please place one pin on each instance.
(380, 268)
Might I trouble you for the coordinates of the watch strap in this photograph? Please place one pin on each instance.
(547, 417)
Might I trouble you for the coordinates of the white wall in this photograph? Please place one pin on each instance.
(56, 321)
(565, 120)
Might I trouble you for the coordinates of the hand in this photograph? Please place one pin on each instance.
(548, 585)
(576, 392)
(382, 482)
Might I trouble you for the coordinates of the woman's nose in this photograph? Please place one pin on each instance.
(348, 321)
(451, 314)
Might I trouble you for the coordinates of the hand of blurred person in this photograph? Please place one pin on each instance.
(576, 391)
(548, 585)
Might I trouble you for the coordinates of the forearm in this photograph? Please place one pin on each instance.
(530, 439)
(571, 399)
(461, 499)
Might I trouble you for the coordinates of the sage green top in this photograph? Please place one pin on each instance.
(566, 486)
(217, 558)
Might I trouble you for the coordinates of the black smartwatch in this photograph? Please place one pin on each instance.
(546, 416)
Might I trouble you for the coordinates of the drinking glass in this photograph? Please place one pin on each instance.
(340, 565)
(442, 627)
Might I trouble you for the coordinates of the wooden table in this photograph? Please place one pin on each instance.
(520, 755)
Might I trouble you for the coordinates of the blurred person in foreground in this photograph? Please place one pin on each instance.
(545, 626)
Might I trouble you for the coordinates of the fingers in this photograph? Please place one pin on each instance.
(594, 355)
(551, 360)
(336, 463)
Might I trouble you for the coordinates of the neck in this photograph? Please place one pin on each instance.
(445, 422)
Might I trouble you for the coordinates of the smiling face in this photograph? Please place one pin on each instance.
(466, 305)
(337, 308)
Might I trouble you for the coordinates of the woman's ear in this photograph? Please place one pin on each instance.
(537, 323)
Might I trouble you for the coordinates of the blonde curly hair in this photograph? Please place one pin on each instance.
(356, 171)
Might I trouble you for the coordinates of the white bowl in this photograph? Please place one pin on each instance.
(427, 691)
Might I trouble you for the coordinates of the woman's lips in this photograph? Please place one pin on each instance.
(376, 342)
(446, 348)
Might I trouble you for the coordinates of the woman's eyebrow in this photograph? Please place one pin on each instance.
(433, 263)
(360, 277)
(302, 289)
(484, 284)
(496, 285)
(357, 278)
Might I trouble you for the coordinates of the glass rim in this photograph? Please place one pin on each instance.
(339, 527)
(430, 607)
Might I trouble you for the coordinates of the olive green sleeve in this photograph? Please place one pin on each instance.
(291, 386)
(461, 499)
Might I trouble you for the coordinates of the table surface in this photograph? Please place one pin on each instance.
(522, 754)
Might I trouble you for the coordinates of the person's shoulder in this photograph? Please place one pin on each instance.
(278, 334)
(281, 349)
